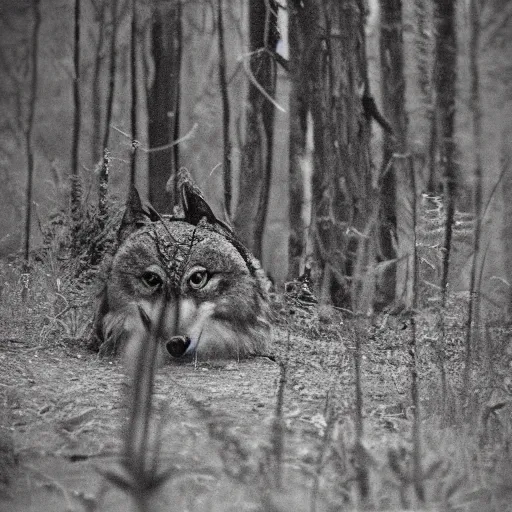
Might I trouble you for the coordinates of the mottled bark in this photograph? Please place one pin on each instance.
(342, 192)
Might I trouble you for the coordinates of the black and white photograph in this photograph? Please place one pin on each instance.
(255, 255)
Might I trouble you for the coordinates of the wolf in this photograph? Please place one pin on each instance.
(188, 280)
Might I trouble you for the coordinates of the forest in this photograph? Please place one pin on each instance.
(361, 150)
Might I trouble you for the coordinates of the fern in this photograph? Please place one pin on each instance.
(431, 227)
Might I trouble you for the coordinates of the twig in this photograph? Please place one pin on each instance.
(139, 477)
(190, 134)
(362, 476)
(255, 82)
(322, 455)
(281, 60)
(372, 111)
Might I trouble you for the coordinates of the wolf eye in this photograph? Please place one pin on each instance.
(152, 280)
(198, 279)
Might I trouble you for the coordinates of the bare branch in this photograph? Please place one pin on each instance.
(372, 111)
(252, 78)
(189, 135)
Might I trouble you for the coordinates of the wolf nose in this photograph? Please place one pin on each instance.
(177, 345)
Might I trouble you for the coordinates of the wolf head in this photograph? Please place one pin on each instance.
(189, 281)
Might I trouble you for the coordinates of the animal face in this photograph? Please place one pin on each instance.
(193, 286)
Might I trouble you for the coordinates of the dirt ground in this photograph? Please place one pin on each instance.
(64, 411)
(67, 408)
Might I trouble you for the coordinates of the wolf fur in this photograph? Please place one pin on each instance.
(189, 282)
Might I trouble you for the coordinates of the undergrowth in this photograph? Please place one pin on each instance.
(53, 298)
(466, 457)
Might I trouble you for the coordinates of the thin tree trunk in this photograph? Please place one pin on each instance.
(225, 112)
(415, 392)
(434, 182)
(95, 87)
(133, 82)
(29, 129)
(361, 466)
(445, 81)
(506, 194)
(393, 102)
(256, 165)
(476, 112)
(268, 128)
(103, 177)
(299, 107)
(163, 99)
(423, 44)
(75, 147)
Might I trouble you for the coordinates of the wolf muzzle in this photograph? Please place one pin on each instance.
(177, 345)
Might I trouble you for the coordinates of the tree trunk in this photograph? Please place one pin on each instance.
(76, 199)
(104, 171)
(341, 182)
(298, 155)
(95, 86)
(424, 56)
(134, 95)
(256, 157)
(226, 112)
(163, 99)
(506, 194)
(29, 128)
(472, 326)
(444, 84)
(445, 68)
(393, 104)
(423, 52)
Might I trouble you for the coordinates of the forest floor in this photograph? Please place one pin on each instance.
(64, 410)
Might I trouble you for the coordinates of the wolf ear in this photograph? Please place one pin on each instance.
(134, 215)
(194, 204)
